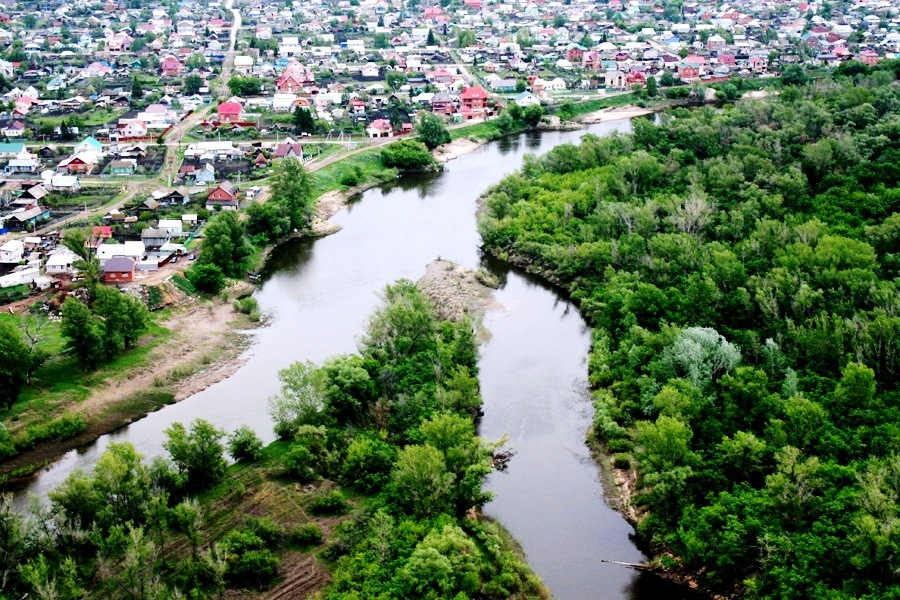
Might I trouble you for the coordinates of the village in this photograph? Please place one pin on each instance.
(149, 117)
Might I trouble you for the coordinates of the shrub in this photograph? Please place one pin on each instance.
(308, 534)
(246, 305)
(299, 464)
(58, 430)
(206, 278)
(328, 504)
(407, 155)
(244, 445)
(265, 529)
(622, 461)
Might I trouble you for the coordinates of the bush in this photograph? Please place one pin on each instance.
(328, 504)
(246, 305)
(265, 529)
(207, 278)
(622, 461)
(308, 534)
(300, 463)
(244, 445)
(407, 155)
(248, 561)
(58, 430)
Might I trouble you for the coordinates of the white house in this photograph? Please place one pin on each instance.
(25, 276)
(12, 251)
(134, 250)
(61, 260)
(172, 226)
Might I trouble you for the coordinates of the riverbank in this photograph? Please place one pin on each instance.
(614, 113)
(199, 343)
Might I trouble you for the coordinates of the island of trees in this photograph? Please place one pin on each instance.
(739, 268)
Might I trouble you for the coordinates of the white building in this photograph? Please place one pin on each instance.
(12, 252)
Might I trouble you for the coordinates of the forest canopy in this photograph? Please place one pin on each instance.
(739, 268)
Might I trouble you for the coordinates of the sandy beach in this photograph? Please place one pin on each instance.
(614, 113)
(455, 149)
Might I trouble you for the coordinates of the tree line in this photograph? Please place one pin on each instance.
(739, 268)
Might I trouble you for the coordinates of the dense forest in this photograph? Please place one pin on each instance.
(376, 478)
(740, 269)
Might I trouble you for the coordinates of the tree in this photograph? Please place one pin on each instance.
(395, 79)
(793, 75)
(301, 399)
(432, 130)
(244, 445)
(15, 363)
(303, 121)
(382, 41)
(198, 454)
(291, 188)
(224, 244)
(137, 89)
(667, 79)
(652, 89)
(407, 155)
(84, 332)
(430, 40)
(245, 86)
(192, 84)
(123, 317)
(420, 480)
(465, 38)
(207, 278)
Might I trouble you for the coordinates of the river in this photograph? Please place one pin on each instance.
(318, 295)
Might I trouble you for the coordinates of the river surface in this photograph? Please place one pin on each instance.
(318, 295)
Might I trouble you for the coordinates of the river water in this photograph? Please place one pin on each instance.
(318, 295)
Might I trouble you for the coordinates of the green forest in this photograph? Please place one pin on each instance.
(375, 482)
(739, 267)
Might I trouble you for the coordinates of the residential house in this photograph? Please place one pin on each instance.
(124, 167)
(243, 64)
(154, 237)
(173, 227)
(616, 80)
(23, 165)
(130, 128)
(119, 269)
(62, 183)
(12, 252)
(289, 150)
(27, 219)
(13, 130)
(83, 162)
(171, 66)
(170, 198)
(230, 112)
(11, 149)
(442, 103)
(225, 196)
(474, 98)
(88, 144)
(60, 261)
(526, 99)
(379, 128)
(205, 175)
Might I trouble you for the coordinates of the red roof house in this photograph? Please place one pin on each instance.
(230, 112)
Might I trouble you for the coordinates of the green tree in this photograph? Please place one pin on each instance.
(652, 88)
(244, 445)
(430, 40)
(83, 331)
(224, 244)
(420, 480)
(303, 121)
(124, 318)
(465, 38)
(793, 75)
(395, 79)
(15, 363)
(382, 41)
(432, 130)
(198, 454)
(291, 189)
(137, 89)
(407, 155)
(301, 399)
(192, 84)
(207, 278)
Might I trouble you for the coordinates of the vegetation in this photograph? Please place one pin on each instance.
(432, 130)
(740, 269)
(387, 424)
(407, 155)
(394, 422)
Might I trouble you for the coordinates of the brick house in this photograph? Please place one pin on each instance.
(119, 269)
(225, 196)
(230, 112)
